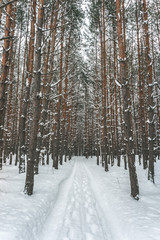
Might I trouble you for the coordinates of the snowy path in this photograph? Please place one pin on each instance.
(76, 214)
(80, 201)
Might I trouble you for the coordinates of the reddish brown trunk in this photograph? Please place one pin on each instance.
(59, 103)
(4, 75)
(127, 104)
(96, 110)
(150, 95)
(36, 103)
(141, 100)
(66, 96)
(105, 150)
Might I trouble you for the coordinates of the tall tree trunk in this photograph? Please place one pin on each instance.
(117, 150)
(1, 1)
(97, 110)
(36, 103)
(23, 117)
(141, 99)
(59, 103)
(54, 27)
(12, 55)
(47, 80)
(104, 92)
(132, 89)
(18, 112)
(64, 123)
(127, 104)
(4, 75)
(150, 95)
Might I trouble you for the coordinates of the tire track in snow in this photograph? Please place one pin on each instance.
(76, 214)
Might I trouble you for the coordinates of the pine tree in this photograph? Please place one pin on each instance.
(36, 103)
(127, 103)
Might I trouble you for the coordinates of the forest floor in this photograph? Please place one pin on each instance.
(80, 201)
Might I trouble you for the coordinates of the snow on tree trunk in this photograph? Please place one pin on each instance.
(4, 75)
(127, 104)
(150, 95)
(36, 103)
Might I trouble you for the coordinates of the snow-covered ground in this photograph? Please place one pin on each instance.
(80, 201)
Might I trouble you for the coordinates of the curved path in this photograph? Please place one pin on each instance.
(76, 215)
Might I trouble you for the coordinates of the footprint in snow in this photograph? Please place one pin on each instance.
(72, 200)
(75, 215)
(94, 228)
(86, 205)
(91, 211)
(88, 218)
(65, 238)
(72, 235)
(67, 222)
(89, 236)
(69, 207)
(77, 204)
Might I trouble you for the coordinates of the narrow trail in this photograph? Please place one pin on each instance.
(76, 215)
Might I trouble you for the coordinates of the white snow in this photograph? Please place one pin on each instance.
(118, 83)
(80, 201)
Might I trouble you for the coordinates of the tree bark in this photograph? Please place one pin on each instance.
(4, 75)
(150, 95)
(127, 104)
(105, 93)
(59, 103)
(141, 100)
(36, 103)
(23, 117)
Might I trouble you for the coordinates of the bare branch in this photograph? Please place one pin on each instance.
(5, 4)
(9, 37)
